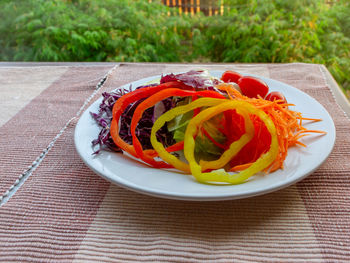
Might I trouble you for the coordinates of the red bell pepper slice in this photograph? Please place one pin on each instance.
(123, 102)
(150, 102)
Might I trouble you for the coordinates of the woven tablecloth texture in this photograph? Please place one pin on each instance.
(55, 209)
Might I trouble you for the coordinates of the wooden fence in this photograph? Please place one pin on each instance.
(208, 7)
(191, 7)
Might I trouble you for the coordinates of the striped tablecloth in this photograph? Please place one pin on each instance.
(55, 209)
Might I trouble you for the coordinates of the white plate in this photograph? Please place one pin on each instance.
(133, 175)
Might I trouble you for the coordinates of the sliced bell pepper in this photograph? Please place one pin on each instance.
(123, 102)
(202, 102)
(221, 175)
(150, 102)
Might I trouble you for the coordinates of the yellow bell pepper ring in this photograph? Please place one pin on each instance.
(234, 148)
(169, 115)
(221, 175)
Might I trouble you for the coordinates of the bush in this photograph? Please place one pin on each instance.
(109, 30)
(281, 31)
(135, 30)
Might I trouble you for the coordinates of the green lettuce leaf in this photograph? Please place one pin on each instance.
(204, 148)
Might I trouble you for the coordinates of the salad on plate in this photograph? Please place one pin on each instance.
(219, 130)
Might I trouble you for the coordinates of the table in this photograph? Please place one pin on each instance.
(53, 208)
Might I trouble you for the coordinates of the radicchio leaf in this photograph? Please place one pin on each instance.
(200, 79)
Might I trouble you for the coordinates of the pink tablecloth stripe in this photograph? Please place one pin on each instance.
(28, 133)
(65, 212)
(48, 217)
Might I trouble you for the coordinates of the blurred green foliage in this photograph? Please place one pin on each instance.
(136, 30)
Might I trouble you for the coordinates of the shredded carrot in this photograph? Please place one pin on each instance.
(310, 119)
(240, 167)
(288, 124)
